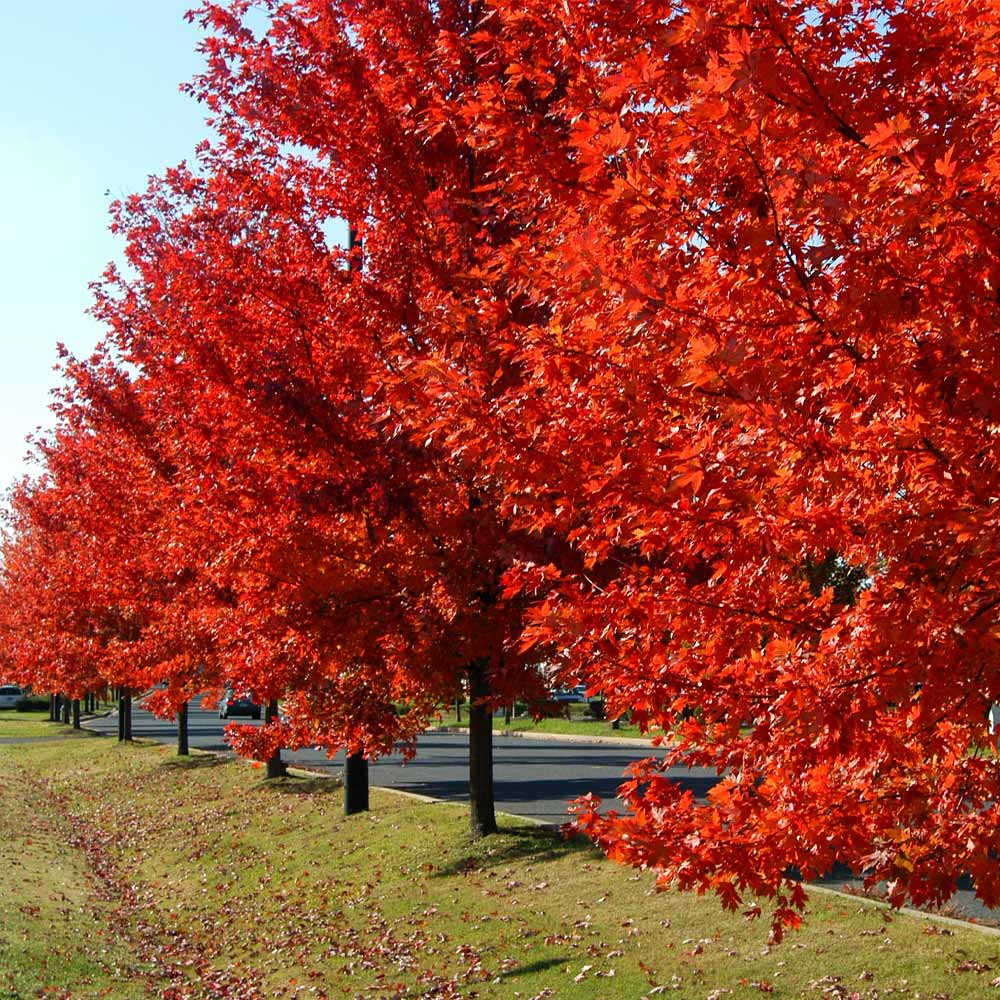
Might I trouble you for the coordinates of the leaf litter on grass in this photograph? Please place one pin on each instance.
(216, 884)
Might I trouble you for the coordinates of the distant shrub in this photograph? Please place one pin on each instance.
(32, 703)
(595, 708)
(549, 709)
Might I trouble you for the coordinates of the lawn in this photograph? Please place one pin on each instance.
(134, 874)
(24, 725)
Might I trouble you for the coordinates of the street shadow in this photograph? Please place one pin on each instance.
(543, 790)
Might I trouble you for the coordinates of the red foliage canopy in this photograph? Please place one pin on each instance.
(714, 298)
(680, 321)
(763, 406)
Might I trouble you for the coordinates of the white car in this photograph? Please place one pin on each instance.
(10, 695)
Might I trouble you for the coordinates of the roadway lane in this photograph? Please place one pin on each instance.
(534, 778)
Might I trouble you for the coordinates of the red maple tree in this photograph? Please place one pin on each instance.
(762, 407)
(676, 324)
(714, 305)
(363, 561)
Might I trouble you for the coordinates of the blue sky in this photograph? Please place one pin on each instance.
(90, 105)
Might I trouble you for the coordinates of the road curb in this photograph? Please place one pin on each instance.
(304, 772)
(881, 904)
(525, 734)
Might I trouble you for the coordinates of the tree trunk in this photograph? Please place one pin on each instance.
(65, 710)
(275, 765)
(182, 731)
(355, 784)
(53, 708)
(458, 710)
(124, 715)
(76, 713)
(482, 813)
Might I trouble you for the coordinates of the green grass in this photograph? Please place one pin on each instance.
(54, 927)
(202, 874)
(24, 725)
(579, 724)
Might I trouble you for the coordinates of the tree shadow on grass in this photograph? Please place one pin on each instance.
(525, 843)
(292, 784)
(196, 762)
(541, 965)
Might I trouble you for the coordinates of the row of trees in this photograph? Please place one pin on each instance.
(666, 350)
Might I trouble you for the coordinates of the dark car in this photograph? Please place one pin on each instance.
(233, 704)
(578, 693)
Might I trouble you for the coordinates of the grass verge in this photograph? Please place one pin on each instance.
(198, 879)
(578, 724)
(27, 725)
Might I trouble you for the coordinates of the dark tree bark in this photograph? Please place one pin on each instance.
(76, 713)
(182, 731)
(355, 784)
(275, 765)
(124, 715)
(482, 811)
(65, 710)
(53, 708)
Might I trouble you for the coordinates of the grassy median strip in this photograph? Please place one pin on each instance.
(576, 723)
(128, 872)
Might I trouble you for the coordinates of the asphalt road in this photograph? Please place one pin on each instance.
(533, 778)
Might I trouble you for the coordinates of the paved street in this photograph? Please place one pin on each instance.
(533, 778)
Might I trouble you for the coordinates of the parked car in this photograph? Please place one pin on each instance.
(10, 695)
(233, 704)
(578, 693)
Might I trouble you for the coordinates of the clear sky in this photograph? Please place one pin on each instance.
(90, 107)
